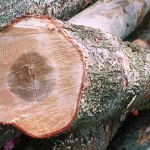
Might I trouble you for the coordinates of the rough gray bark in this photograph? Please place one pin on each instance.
(10, 9)
(121, 69)
(64, 10)
(61, 9)
(117, 17)
(117, 82)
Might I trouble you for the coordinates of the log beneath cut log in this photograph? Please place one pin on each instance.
(134, 133)
(117, 17)
(54, 75)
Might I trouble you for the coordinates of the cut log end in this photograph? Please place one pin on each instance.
(42, 75)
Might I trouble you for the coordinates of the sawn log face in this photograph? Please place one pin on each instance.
(41, 77)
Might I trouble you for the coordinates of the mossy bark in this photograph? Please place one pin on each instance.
(118, 78)
(118, 72)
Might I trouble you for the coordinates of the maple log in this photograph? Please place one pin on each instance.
(117, 16)
(55, 75)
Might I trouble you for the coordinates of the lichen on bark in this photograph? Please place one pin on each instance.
(116, 72)
(117, 77)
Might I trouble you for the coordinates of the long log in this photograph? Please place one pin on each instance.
(117, 16)
(61, 9)
(109, 76)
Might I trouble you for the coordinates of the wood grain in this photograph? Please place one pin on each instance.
(41, 77)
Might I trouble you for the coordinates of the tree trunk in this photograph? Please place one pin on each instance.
(113, 79)
(117, 17)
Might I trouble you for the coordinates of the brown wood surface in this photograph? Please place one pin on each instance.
(41, 77)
